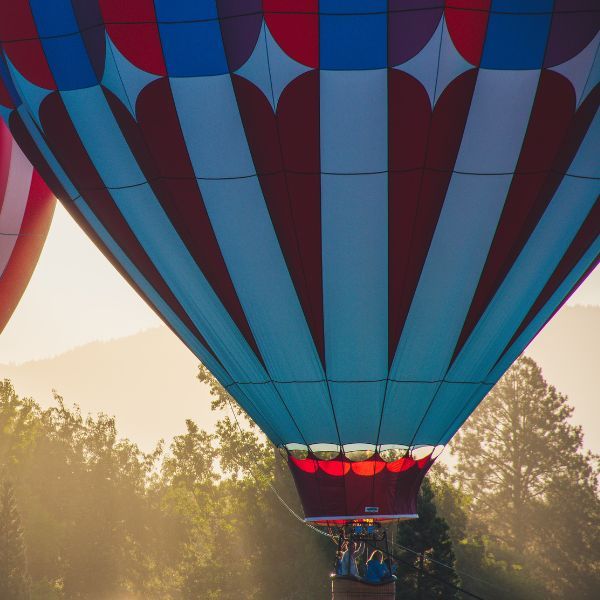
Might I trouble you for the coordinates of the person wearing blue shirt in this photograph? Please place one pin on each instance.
(377, 571)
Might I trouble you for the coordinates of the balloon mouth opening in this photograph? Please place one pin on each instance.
(361, 459)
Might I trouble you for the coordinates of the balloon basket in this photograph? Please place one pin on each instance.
(348, 588)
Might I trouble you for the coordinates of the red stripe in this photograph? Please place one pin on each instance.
(157, 142)
(27, 249)
(285, 150)
(586, 236)
(423, 146)
(553, 136)
(65, 144)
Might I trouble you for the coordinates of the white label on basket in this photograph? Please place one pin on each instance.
(371, 509)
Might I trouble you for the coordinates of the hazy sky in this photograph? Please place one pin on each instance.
(75, 296)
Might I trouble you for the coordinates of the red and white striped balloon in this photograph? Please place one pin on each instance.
(26, 208)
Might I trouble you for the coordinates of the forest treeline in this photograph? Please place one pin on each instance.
(87, 515)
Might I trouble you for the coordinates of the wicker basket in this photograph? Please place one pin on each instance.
(347, 588)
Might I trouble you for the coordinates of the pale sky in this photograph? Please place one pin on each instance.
(75, 296)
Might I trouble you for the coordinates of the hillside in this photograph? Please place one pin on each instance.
(152, 374)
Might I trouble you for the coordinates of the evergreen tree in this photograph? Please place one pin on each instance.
(14, 578)
(534, 492)
(429, 537)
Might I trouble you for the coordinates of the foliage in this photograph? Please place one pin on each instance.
(533, 491)
(424, 570)
(14, 577)
(518, 516)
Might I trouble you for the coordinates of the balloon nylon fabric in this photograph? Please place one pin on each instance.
(356, 213)
(26, 208)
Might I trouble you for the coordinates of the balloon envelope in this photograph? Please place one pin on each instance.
(26, 208)
(356, 213)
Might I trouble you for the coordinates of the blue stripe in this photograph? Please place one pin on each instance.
(546, 246)
(497, 121)
(450, 275)
(538, 322)
(113, 160)
(354, 121)
(358, 410)
(467, 407)
(212, 127)
(405, 406)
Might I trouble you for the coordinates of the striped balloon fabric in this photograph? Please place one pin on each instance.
(26, 208)
(357, 213)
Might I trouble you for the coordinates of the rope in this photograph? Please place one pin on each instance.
(437, 562)
(426, 573)
(277, 495)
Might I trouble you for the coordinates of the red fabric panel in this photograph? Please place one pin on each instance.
(391, 487)
(6, 145)
(285, 150)
(158, 145)
(295, 26)
(467, 25)
(423, 146)
(131, 25)
(26, 54)
(27, 249)
(528, 196)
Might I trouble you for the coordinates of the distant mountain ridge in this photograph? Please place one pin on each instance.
(148, 380)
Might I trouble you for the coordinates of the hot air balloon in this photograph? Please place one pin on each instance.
(356, 213)
(26, 208)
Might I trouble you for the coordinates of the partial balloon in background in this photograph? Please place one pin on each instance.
(26, 209)
(356, 213)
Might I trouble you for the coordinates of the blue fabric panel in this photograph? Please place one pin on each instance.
(445, 406)
(516, 41)
(354, 121)
(185, 10)
(355, 274)
(148, 221)
(467, 404)
(212, 127)
(243, 399)
(523, 6)
(538, 322)
(571, 204)
(405, 405)
(170, 317)
(64, 49)
(193, 48)
(31, 94)
(312, 410)
(267, 399)
(102, 137)
(352, 7)
(358, 409)
(352, 42)
(7, 80)
(497, 121)
(241, 223)
(530, 272)
(450, 276)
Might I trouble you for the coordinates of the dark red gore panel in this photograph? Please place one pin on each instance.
(340, 490)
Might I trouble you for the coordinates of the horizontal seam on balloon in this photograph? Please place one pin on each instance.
(306, 381)
(300, 13)
(331, 173)
(21, 234)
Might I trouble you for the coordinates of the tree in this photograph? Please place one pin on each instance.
(521, 462)
(14, 578)
(422, 574)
